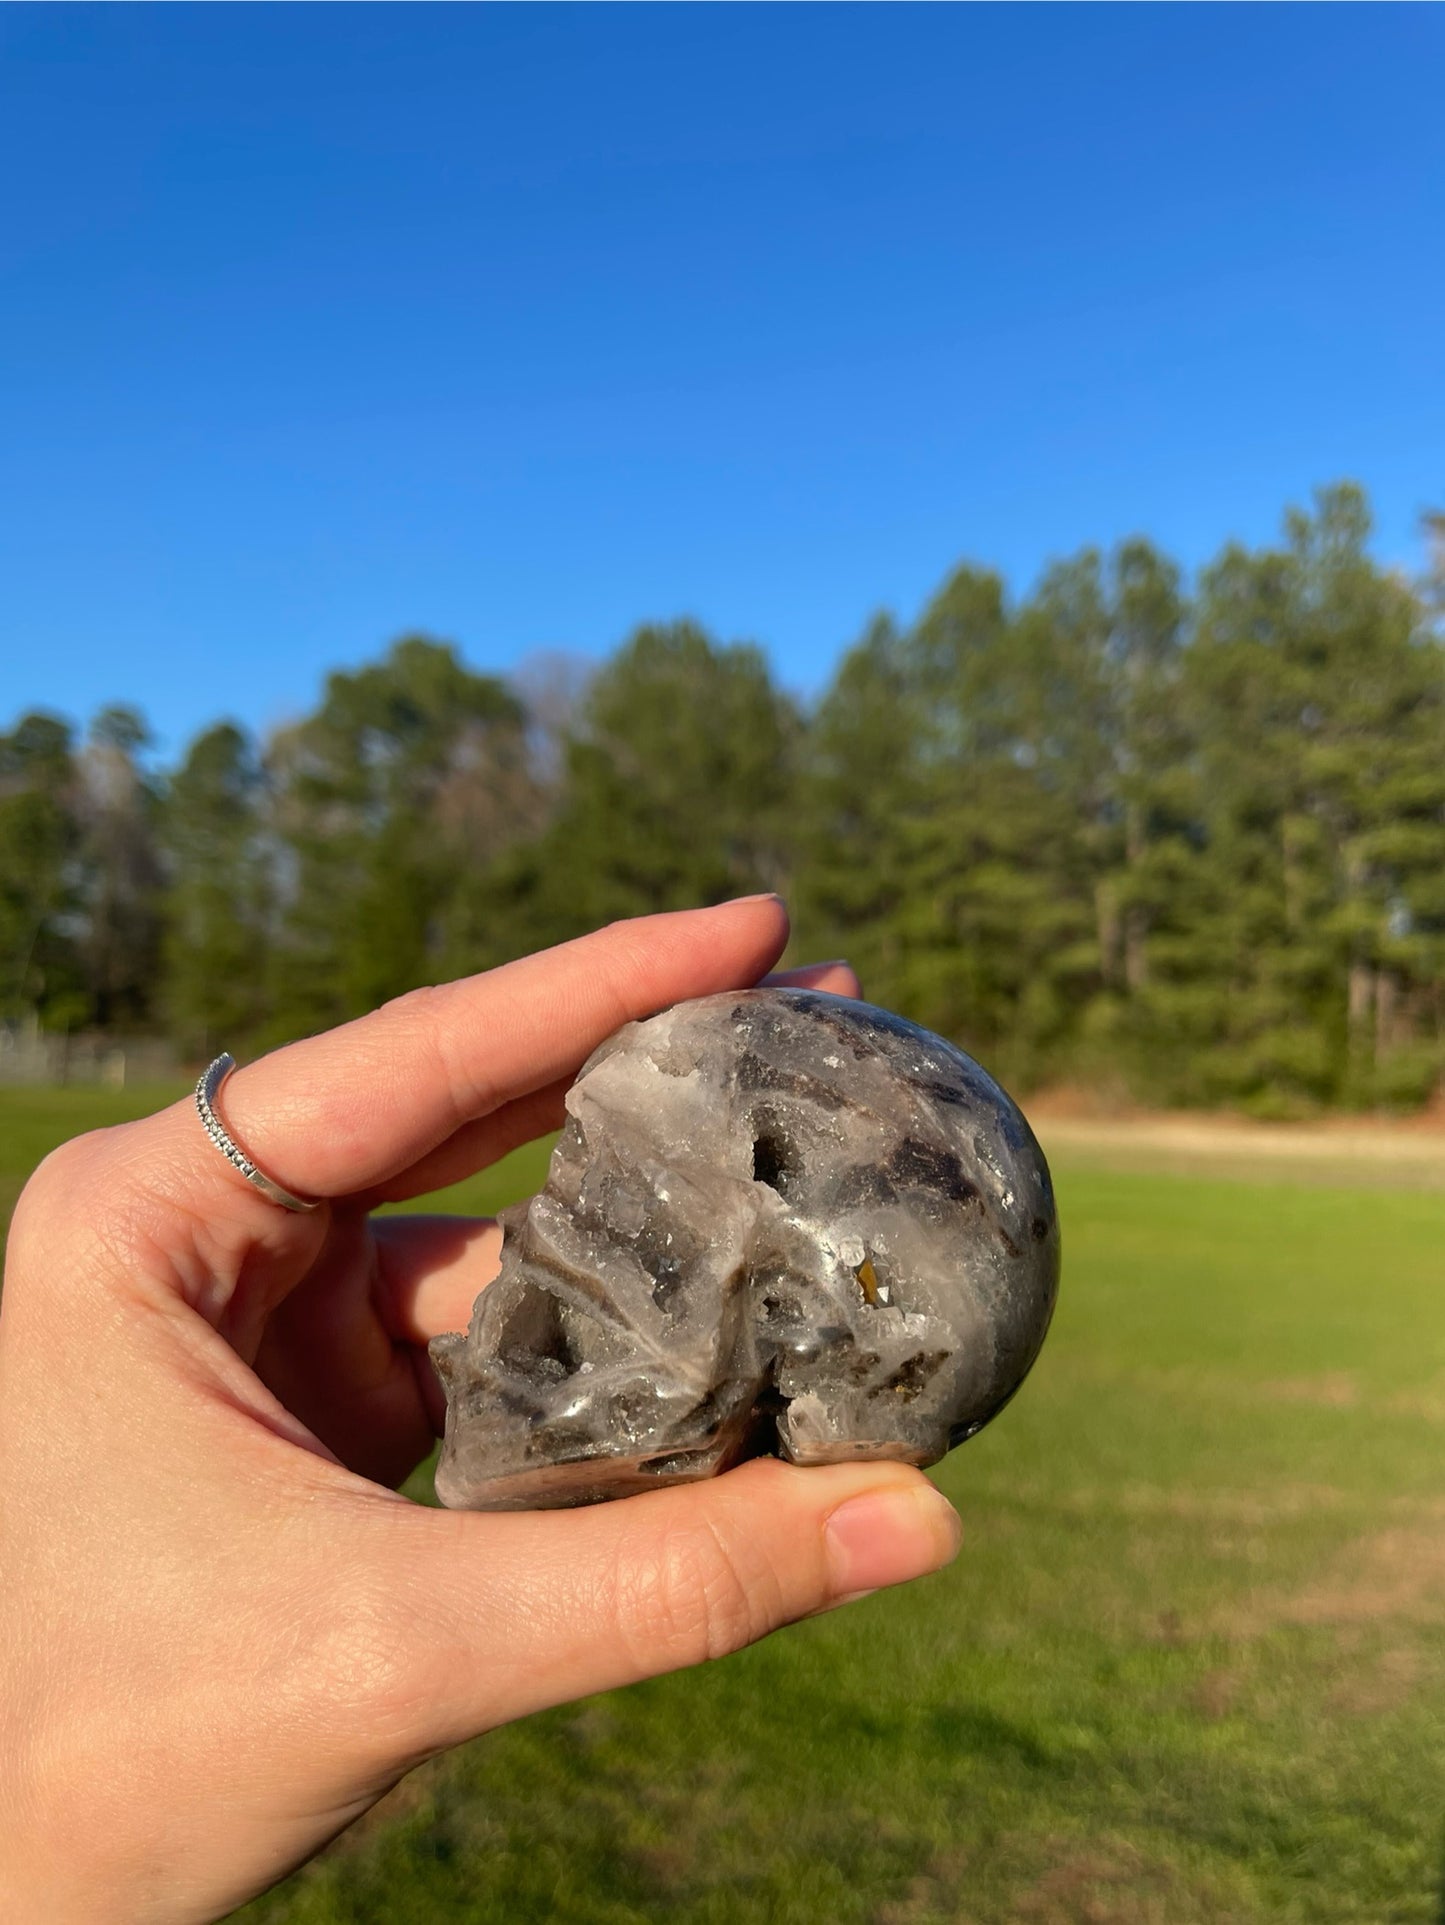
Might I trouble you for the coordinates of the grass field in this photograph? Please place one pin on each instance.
(1189, 1667)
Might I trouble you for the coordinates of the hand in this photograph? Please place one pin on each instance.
(223, 1636)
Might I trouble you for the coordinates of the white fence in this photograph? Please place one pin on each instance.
(30, 1055)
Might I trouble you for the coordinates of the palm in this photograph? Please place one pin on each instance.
(330, 1351)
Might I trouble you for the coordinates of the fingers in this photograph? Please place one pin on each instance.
(838, 978)
(476, 1145)
(515, 1612)
(430, 1270)
(525, 1118)
(343, 1112)
(346, 1109)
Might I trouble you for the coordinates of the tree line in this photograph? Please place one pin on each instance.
(1186, 840)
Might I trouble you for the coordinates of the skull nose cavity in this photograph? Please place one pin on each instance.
(535, 1339)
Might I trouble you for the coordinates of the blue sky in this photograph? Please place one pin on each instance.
(519, 325)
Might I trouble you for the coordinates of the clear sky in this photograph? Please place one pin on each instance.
(519, 325)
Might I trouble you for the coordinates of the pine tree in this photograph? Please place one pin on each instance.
(214, 952)
(677, 785)
(1318, 697)
(411, 777)
(120, 882)
(41, 974)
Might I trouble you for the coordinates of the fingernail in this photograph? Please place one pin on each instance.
(889, 1536)
(767, 895)
(816, 969)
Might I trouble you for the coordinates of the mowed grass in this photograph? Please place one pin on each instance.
(1189, 1667)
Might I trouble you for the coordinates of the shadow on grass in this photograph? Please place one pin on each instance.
(956, 1731)
(986, 1735)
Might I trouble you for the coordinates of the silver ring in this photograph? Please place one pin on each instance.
(207, 1091)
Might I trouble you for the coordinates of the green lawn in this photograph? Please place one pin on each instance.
(1190, 1666)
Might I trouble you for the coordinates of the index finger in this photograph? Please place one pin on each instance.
(343, 1111)
(524, 1118)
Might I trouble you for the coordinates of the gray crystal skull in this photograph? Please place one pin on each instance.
(778, 1222)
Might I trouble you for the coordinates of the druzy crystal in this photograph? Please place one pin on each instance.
(777, 1221)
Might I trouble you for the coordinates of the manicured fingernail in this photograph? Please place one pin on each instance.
(889, 1536)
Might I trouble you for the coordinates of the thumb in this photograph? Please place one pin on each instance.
(512, 1612)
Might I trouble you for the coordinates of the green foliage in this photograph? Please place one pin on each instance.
(217, 928)
(411, 777)
(678, 782)
(1319, 707)
(983, 790)
(1191, 846)
(119, 871)
(1198, 851)
(39, 970)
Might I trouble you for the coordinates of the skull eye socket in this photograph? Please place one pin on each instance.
(774, 1159)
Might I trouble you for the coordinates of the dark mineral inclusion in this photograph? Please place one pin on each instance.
(777, 1222)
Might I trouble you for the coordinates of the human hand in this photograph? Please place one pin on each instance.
(223, 1637)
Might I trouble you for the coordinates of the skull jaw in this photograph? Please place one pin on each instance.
(854, 1450)
(489, 1472)
(809, 1432)
(462, 1485)
(540, 1441)
(465, 1485)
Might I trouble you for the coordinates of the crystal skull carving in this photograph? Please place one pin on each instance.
(777, 1221)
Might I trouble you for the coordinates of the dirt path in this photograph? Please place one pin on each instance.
(1408, 1155)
